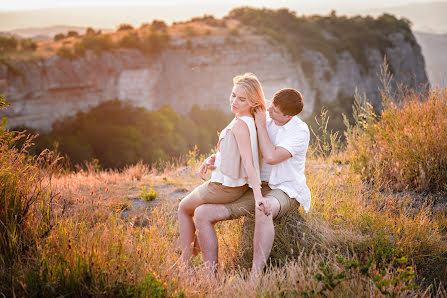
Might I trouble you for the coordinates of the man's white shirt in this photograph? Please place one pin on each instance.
(288, 175)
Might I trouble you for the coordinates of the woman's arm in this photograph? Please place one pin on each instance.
(242, 136)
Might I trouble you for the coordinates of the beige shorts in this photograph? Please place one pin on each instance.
(245, 205)
(216, 193)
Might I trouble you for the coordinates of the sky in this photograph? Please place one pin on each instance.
(108, 14)
(313, 4)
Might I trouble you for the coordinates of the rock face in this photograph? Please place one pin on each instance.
(199, 73)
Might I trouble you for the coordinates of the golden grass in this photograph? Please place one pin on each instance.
(94, 250)
(407, 147)
(357, 240)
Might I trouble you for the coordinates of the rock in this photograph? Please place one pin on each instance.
(41, 92)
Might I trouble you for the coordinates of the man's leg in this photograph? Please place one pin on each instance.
(205, 216)
(264, 236)
(186, 223)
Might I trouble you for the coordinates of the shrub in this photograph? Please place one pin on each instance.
(59, 36)
(79, 49)
(353, 34)
(406, 146)
(27, 44)
(189, 31)
(119, 135)
(159, 26)
(65, 52)
(97, 43)
(155, 43)
(8, 43)
(125, 27)
(130, 40)
(72, 34)
(25, 197)
(148, 194)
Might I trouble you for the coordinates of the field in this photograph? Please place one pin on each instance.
(94, 232)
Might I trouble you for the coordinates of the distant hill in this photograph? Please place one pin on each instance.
(47, 33)
(434, 49)
(426, 17)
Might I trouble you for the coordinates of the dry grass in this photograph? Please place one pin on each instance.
(357, 240)
(407, 147)
(94, 249)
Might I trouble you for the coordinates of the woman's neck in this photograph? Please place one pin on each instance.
(238, 115)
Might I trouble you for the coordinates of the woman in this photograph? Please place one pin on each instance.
(246, 96)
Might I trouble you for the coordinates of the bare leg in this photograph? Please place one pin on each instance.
(263, 238)
(196, 247)
(205, 217)
(186, 223)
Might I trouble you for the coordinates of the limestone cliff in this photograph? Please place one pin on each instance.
(199, 73)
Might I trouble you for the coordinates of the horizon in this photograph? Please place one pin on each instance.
(51, 13)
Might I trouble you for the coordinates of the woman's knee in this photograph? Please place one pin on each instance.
(189, 203)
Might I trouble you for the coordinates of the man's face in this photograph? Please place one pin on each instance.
(277, 116)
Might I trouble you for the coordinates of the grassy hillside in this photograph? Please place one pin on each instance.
(377, 225)
(327, 34)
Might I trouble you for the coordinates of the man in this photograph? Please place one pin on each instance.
(283, 140)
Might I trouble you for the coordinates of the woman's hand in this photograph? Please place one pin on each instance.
(265, 205)
(207, 164)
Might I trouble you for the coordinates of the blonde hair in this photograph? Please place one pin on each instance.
(255, 96)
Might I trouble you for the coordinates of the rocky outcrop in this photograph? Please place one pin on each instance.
(42, 92)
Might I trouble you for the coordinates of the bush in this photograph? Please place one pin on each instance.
(406, 147)
(97, 43)
(119, 135)
(125, 27)
(65, 52)
(28, 44)
(148, 194)
(59, 36)
(130, 40)
(25, 199)
(8, 43)
(159, 26)
(72, 34)
(353, 34)
(79, 49)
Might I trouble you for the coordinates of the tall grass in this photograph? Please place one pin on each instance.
(406, 147)
(25, 201)
(356, 241)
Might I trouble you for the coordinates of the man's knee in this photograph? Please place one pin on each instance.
(202, 215)
(262, 218)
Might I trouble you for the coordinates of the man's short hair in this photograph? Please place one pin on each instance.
(289, 101)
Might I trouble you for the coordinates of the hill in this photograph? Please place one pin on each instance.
(325, 57)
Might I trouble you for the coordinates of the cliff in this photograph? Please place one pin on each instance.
(199, 71)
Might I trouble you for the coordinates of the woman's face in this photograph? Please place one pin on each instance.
(238, 101)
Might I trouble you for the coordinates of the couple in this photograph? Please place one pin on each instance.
(267, 181)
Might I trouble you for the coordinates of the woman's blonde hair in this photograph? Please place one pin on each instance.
(253, 89)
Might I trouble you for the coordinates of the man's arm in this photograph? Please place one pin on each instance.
(271, 154)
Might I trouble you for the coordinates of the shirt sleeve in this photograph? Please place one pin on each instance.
(295, 141)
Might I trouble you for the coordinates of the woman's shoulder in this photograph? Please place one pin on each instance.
(239, 126)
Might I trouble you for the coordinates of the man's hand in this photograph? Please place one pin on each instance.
(260, 117)
(207, 164)
(264, 205)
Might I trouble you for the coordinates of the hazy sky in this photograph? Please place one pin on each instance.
(107, 14)
(313, 4)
